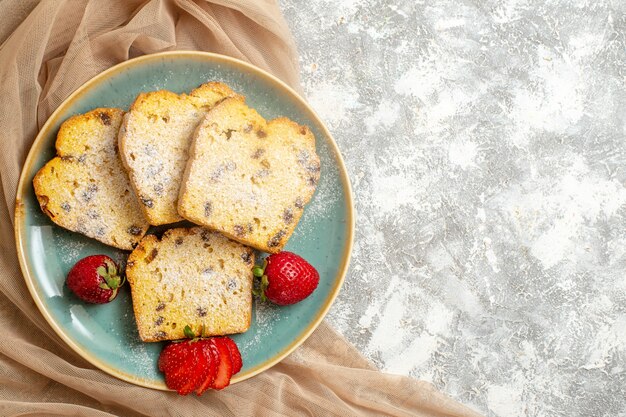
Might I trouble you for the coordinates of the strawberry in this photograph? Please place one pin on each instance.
(199, 364)
(185, 365)
(175, 361)
(286, 278)
(235, 356)
(196, 371)
(213, 358)
(95, 279)
(225, 367)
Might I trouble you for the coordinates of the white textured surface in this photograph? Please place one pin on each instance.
(486, 142)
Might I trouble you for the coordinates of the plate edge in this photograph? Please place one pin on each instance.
(20, 217)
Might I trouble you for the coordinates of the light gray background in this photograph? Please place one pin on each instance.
(486, 145)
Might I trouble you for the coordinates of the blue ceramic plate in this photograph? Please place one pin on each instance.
(106, 335)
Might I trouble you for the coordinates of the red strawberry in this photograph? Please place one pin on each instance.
(185, 366)
(174, 362)
(213, 359)
(94, 279)
(196, 370)
(235, 356)
(199, 364)
(286, 278)
(225, 367)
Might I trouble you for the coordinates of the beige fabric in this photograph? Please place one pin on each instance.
(48, 49)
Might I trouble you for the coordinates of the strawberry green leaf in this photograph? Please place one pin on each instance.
(264, 284)
(112, 281)
(111, 268)
(260, 291)
(113, 294)
(188, 332)
(102, 271)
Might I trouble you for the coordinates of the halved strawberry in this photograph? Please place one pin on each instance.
(235, 356)
(173, 363)
(172, 357)
(225, 367)
(184, 366)
(199, 364)
(204, 367)
(196, 370)
(213, 359)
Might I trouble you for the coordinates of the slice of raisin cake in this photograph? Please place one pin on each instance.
(85, 188)
(249, 178)
(190, 277)
(154, 142)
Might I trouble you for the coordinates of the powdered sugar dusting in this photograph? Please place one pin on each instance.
(265, 316)
(70, 250)
(132, 351)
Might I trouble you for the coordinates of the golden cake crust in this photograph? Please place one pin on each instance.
(190, 277)
(154, 141)
(249, 178)
(84, 188)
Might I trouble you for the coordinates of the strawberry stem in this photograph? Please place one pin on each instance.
(259, 272)
(260, 292)
(108, 272)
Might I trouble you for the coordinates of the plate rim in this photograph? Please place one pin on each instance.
(37, 145)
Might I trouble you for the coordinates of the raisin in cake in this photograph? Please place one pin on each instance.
(85, 188)
(249, 178)
(190, 277)
(154, 142)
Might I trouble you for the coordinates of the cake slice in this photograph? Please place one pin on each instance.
(154, 142)
(190, 277)
(85, 188)
(248, 178)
